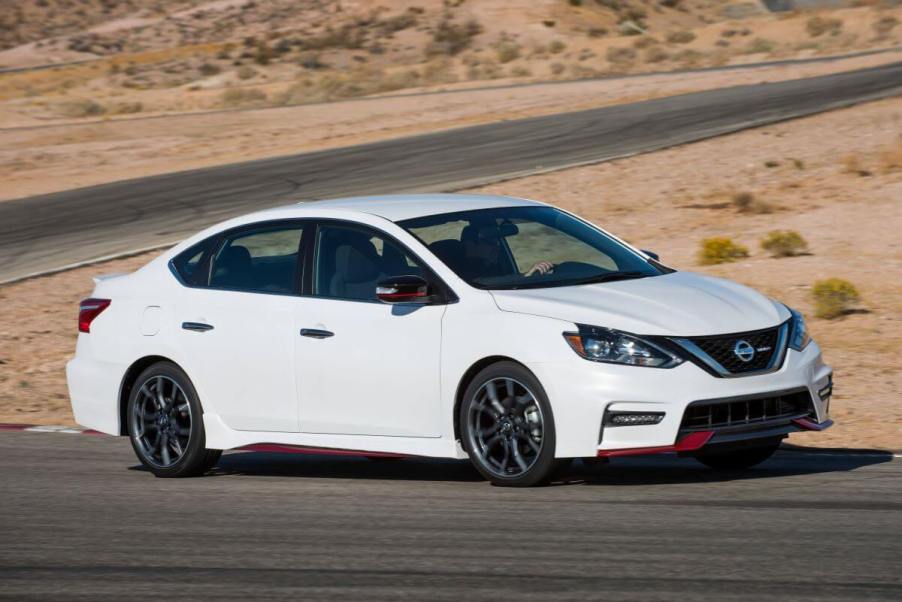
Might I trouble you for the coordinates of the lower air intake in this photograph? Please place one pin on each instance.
(713, 414)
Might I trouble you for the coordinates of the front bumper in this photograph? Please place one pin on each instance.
(581, 392)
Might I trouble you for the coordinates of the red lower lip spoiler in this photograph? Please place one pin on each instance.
(690, 442)
(278, 448)
(810, 425)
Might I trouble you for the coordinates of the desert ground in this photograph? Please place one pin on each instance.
(37, 159)
(141, 88)
(835, 178)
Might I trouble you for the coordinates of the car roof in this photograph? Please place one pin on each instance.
(399, 207)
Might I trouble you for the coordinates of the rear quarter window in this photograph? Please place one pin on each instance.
(188, 265)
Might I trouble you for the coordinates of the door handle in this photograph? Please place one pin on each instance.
(196, 326)
(313, 333)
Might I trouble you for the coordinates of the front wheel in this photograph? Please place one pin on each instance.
(165, 423)
(739, 459)
(507, 426)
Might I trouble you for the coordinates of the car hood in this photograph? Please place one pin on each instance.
(676, 304)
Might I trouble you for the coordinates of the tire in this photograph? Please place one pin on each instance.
(158, 436)
(739, 459)
(513, 447)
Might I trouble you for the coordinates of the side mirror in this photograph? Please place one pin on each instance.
(403, 289)
(651, 254)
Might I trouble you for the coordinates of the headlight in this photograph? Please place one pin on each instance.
(613, 347)
(798, 337)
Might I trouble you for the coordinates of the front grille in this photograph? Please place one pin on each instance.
(722, 349)
(706, 415)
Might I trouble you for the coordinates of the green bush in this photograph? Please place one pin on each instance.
(720, 250)
(833, 297)
(784, 243)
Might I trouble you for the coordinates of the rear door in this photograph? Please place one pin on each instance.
(237, 327)
(365, 367)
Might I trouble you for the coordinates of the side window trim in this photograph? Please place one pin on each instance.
(446, 293)
(217, 241)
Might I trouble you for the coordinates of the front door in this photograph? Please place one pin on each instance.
(365, 367)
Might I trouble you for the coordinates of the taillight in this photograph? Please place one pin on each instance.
(88, 310)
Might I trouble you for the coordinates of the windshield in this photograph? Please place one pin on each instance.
(526, 247)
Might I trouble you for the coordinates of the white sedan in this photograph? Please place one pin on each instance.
(501, 330)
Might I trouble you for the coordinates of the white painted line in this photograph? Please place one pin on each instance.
(54, 429)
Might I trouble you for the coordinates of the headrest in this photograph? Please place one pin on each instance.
(235, 256)
(356, 262)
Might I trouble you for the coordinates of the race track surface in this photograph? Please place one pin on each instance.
(81, 520)
(52, 231)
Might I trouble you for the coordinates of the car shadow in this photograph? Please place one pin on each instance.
(352, 467)
(663, 469)
(669, 469)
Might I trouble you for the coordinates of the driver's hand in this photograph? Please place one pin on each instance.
(542, 268)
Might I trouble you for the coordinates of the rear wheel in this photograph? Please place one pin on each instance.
(507, 427)
(738, 459)
(165, 423)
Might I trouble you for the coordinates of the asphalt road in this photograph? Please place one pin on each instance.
(80, 520)
(51, 231)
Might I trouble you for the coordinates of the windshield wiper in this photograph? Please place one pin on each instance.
(609, 277)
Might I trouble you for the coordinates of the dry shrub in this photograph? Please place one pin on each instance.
(440, 71)
(451, 37)
(720, 249)
(891, 158)
(82, 108)
(520, 71)
(818, 26)
(656, 54)
(851, 164)
(556, 47)
(680, 37)
(834, 297)
(557, 68)
(390, 25)
(507, 51)
(784, 243)
(398, 81)
(645, 42)
(127, 108)
(246, 72)
(242, 97)
(208, 69)
(760, 46)
(688, 56)
(746, 202)
(620, 55)
(884, 25)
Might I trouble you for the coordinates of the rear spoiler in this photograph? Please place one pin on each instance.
(103, 277)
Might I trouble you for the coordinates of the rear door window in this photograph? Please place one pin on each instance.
(260, 260)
